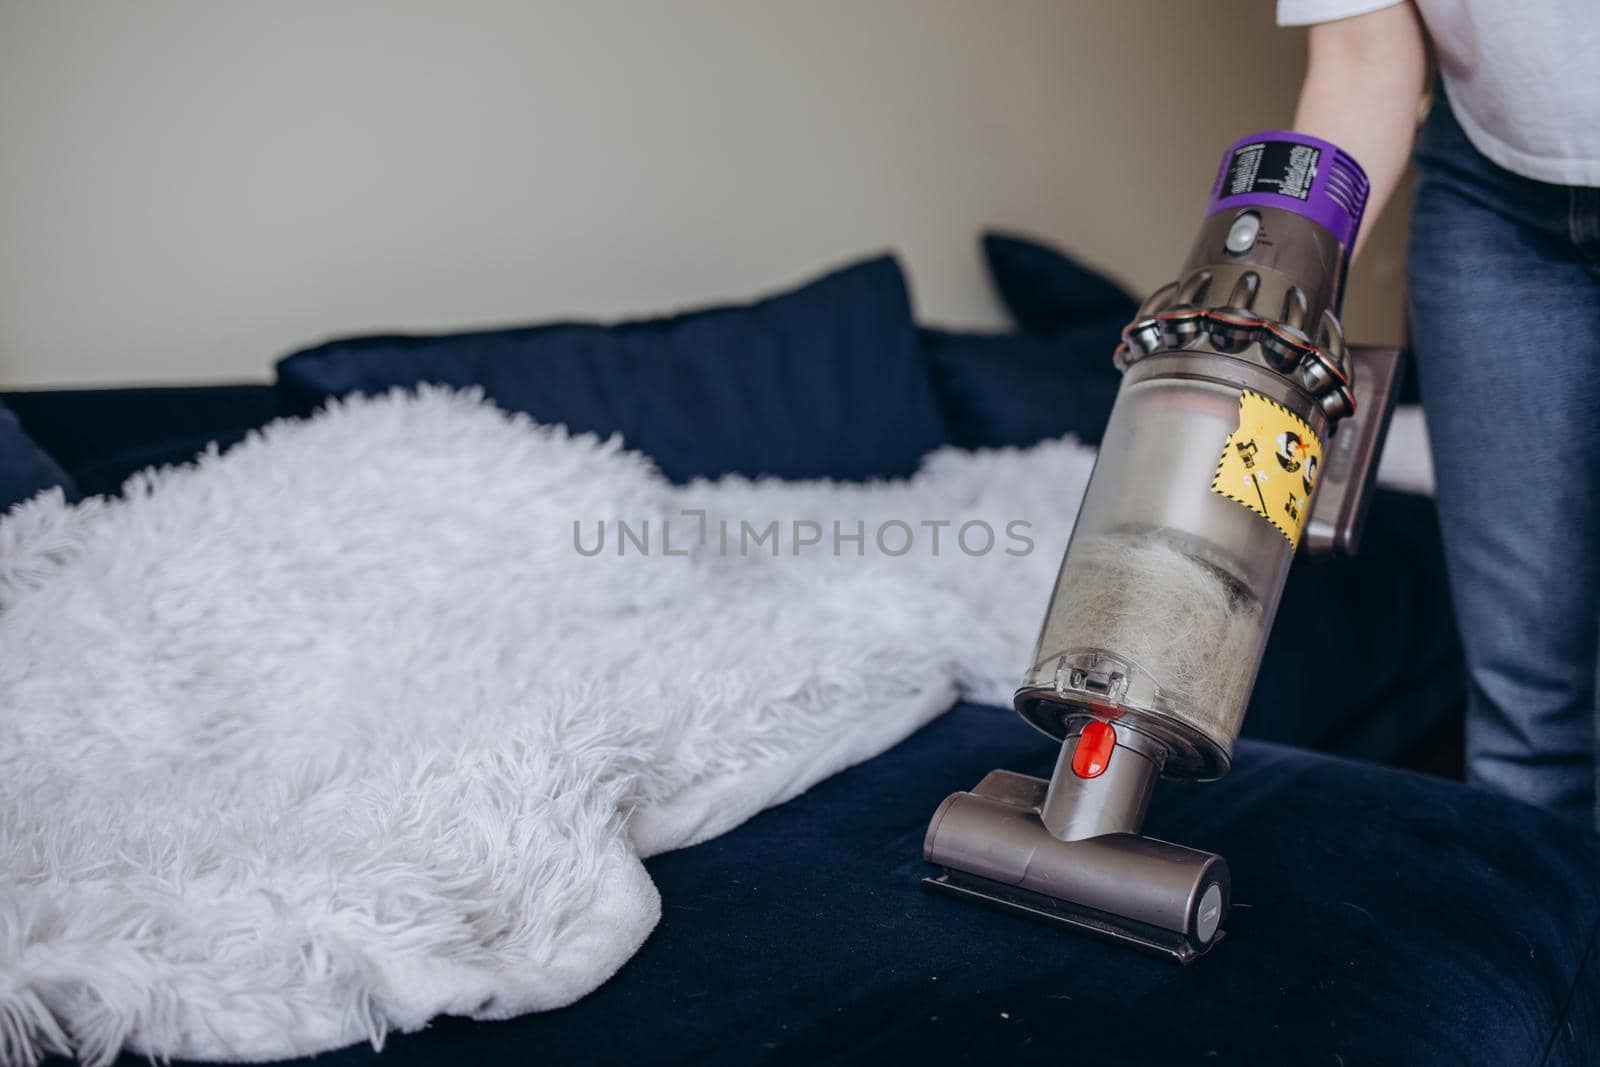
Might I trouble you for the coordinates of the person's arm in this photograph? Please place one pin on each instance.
(1364, 79)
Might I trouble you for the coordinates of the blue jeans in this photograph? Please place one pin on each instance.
(1505, 301)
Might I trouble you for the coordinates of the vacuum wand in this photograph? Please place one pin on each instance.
(1220, 456)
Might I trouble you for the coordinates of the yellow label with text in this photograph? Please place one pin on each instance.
(1270, 464)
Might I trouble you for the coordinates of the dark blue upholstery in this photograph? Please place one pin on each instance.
(1047, 291)
(26, 468)
(103, 435)
(824, 381)
(1056, 376)
(1382, 918)
(999, 390)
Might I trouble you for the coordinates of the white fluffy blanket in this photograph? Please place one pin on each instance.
(339, 731)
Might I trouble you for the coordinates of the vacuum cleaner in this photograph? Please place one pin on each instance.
(1243, 430)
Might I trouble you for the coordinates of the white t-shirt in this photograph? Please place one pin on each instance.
(1523, 76)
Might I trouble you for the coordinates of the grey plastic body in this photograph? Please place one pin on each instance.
(1166, 595)
(1351, 464)
(1168, 590)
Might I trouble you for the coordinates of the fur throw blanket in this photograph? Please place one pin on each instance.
(373, 717)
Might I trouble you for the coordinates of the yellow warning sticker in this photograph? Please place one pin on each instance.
(1270, 463)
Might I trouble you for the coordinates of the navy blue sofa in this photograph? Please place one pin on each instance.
(1381, 916)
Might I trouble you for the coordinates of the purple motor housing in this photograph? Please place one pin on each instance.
(1293, 172)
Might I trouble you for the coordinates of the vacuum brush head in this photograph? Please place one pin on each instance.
(1068, 851)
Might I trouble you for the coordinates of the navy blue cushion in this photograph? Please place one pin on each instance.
(824, 381)
(1054, 377)
(1046, 290)
(1381, 917)
(1013, 389)
(103, 435)
(25, 468)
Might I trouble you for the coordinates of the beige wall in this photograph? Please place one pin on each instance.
(189, 188)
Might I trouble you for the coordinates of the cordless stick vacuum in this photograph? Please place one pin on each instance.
(1220, 457)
